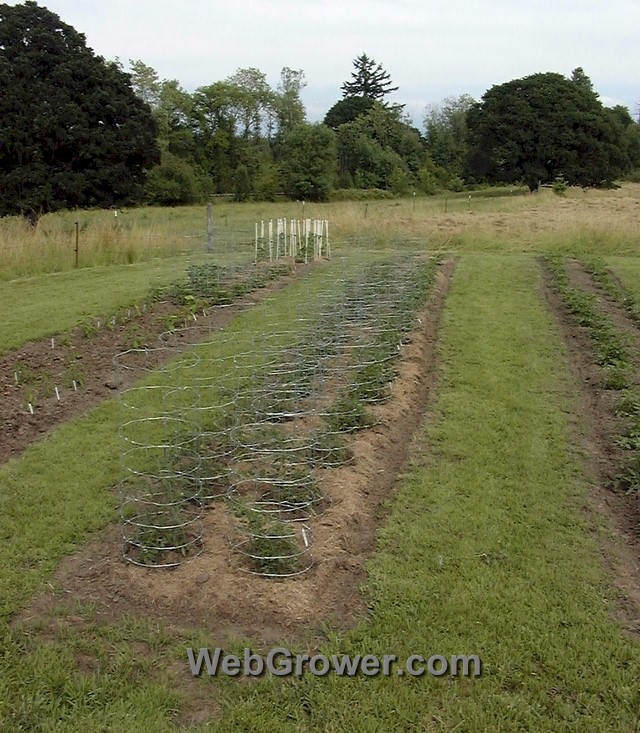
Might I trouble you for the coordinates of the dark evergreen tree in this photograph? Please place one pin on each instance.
(347, 110)
(72, 131)
(369, 80)
(539, 127)
(581, 79)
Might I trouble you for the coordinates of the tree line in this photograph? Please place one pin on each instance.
(79, 131)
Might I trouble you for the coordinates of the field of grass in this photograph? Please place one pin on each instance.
(580, 222)
(487, 547)
(45, 305)
(136, 235)
(486, 551)
(604, 222)
(38, 306)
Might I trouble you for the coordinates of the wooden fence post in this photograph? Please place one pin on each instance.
(77, 242)
(209, 244)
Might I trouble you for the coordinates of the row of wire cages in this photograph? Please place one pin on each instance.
(254, 418)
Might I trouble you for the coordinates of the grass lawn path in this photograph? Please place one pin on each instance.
(45, 305)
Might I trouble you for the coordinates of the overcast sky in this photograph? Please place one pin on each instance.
(431, 49)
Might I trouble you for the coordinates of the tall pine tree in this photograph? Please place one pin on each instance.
(369, 80)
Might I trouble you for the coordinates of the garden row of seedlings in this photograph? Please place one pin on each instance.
(604, 278)
(260, 425)
(205, 286)
(209, 284)
(160, 472)
(612, 351)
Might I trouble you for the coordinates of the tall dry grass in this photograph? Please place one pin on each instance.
(103, 239)
(591, 221)
(605, 222)
(131, 236)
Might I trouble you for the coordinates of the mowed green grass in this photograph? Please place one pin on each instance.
(627, 270)
(486, 551)
(46, 305)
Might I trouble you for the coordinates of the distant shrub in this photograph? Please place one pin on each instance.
(399, 182)
(427, 182)
(560, 185)
(267, 183)
(456, 184)
(242, 183)
(174, 182)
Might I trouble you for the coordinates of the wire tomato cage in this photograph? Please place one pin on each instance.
(256, 418)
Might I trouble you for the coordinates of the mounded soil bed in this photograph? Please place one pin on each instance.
(211, 592)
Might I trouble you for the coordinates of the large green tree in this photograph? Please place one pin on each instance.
(217, 137)
(242, 121)
(629, 131)
(309, 162)
(446, 134)
(542, 126)
(178, 178)
(145, 82)
(253, 102)
(288, 106)
(347, 110)
(378, 150)
(72, 131)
